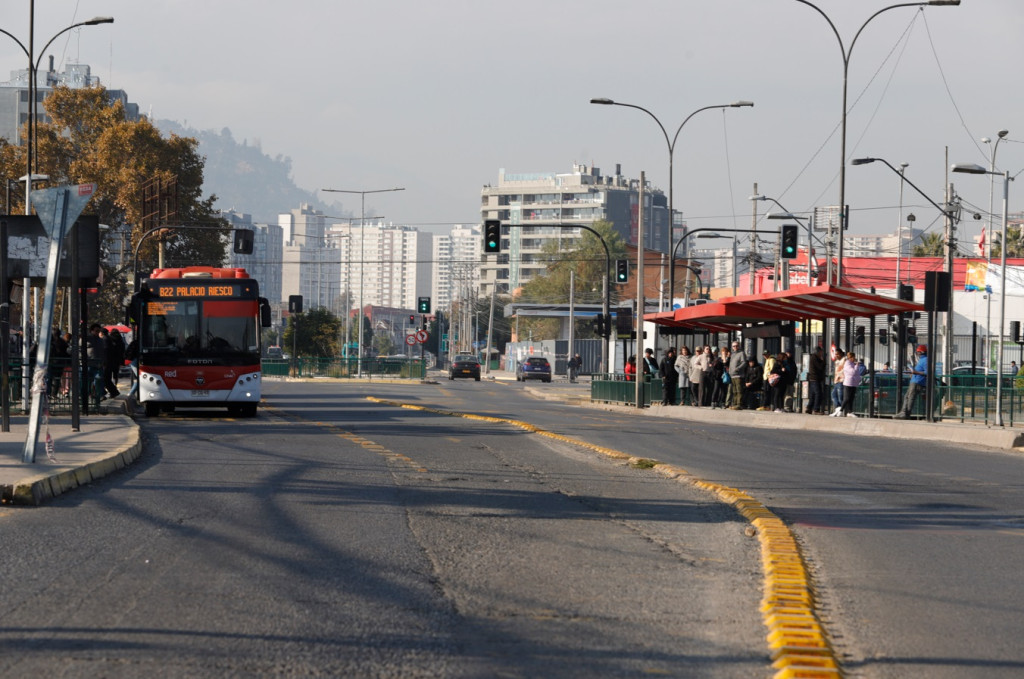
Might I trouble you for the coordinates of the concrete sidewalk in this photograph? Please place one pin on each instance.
(106, 441)
(966, 433)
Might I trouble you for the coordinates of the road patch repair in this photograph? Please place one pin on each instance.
(799, 642)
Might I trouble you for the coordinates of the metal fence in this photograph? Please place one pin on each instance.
(409, 368)
(963, 398)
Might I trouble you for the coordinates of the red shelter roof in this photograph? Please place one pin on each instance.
(796, 304)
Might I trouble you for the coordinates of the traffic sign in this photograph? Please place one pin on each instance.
(421, 336)
(410, 340)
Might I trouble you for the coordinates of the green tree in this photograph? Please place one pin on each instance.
(315, 333)
(1014, 242)
(588, 262)
(932, 245)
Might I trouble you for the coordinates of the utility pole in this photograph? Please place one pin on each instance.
(753, 239)
(640, 305)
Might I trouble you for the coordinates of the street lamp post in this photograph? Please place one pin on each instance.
(846, 53)
(988, 238)
(899, 226)
(671, 143)
(33, 68)
(971, 168)
(362, 264)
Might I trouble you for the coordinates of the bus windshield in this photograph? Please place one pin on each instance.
(198, 328)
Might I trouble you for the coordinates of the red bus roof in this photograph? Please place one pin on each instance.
(199, 272)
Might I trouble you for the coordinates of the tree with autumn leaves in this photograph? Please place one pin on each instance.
(90, 140)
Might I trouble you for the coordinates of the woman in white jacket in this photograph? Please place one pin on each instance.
(699, 365)
(683, 368)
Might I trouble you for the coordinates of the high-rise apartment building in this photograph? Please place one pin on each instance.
(456, 259)
(383, 264)
(538, 208)
(310, 260)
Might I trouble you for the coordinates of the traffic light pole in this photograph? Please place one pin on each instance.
(606, 306)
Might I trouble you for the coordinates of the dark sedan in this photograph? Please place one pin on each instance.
(464, 365)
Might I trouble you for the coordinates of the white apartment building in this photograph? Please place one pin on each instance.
(538, 208)
(383, 264)
(337, 266)
(310, 261)
(456, 257)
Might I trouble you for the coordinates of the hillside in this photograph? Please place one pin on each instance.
(244, 178)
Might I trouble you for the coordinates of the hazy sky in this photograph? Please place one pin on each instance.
(437, 96)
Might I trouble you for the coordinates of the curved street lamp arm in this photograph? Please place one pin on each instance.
(683, 124)
(870, 18)
(946, 213)
(839, 38)
(662, 127)
(90, 22)
(23, 48)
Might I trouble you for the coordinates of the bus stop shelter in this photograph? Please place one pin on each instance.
(798, 303)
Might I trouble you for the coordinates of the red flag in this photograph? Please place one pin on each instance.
(981, 241)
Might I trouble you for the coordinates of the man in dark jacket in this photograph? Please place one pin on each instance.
(114, 361)
(669, 378)
(753, 380)
(816, 383)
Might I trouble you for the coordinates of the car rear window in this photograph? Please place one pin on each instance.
(537, 361)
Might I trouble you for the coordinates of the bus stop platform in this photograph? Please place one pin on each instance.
(103, 444)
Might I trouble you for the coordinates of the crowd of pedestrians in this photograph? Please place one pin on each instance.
(726, 377)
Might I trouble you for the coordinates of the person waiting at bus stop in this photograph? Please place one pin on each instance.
(917, 382)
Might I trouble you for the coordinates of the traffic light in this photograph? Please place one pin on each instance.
(883, 336)
(621, 270)
(789, 241)
(858, 335)
(412, 319)
(295, 304)
(492, 236)
(599, 325)
(911, 334)
(243, 242)
(423, 305)
(1015, 332)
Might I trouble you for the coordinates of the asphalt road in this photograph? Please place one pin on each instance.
(333, 536)
(916, 547)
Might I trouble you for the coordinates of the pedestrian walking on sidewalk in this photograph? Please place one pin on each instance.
(917, 382)
(575, 363)
(851, 380)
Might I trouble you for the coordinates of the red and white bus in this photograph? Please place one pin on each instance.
(198, 339)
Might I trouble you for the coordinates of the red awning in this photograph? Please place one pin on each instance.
(796, 304)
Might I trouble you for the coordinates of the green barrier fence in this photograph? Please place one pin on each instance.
(398, 368)
(964, 398)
